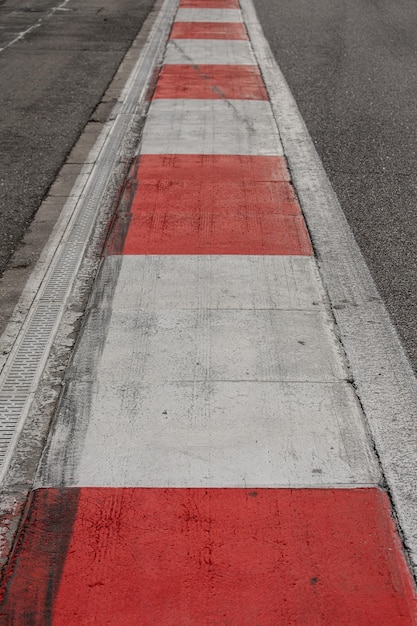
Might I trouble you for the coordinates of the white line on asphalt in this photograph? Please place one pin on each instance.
(385, 381)
(38, 23)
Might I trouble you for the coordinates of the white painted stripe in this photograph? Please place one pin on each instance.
(37, 24)
(210, 127)
(235, 345)
(201, 380)
(245, 336)
(210, 434)
(288, 283)
(208, 52)
(385, 381)
(208, 15)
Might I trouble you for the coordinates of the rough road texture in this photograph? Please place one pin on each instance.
(51, 81)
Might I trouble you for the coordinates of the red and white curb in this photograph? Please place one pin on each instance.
(209, 463)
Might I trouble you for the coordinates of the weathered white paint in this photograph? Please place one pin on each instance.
(187, 126)
(218, 282)
(208, 52)
(211, 371)
(212, 434)
(245, 336)
(208, 15)
(202, 344)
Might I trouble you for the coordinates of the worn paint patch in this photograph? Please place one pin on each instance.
(209, 30)
(213, 556)
(12, 506)
(34, 572)
(120, 222)
(211, 14)
(242, 82)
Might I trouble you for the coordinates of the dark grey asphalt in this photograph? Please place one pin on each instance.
(50, 83)
(352, 68)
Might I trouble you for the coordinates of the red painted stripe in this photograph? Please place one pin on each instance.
(198, 167)
(208, 30)
(239, 82)
(199, 198)
(216, 234)
(171, 217)
(202, 215)
(232, 557)
(209, 4)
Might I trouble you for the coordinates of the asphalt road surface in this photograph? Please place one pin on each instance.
(352, 68)
(50, 82)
